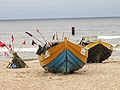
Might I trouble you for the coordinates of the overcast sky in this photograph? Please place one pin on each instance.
(16, 9)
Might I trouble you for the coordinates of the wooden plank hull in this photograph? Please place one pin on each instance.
(65, 62)
(65, 57)
(98, 51)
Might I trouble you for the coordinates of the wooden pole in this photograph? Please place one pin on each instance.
(73, 30)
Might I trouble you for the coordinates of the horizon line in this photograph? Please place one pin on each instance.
(56, 18)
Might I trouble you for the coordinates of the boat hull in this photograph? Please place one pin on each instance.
(65, 57)
(98, 51)
(66, 62)
(98, 54)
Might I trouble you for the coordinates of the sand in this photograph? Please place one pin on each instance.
(100, 76)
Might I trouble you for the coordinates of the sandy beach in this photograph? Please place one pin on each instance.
(97, 76)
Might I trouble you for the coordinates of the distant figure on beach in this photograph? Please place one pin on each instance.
(16, 62)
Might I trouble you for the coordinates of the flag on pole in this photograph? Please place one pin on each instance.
(38, 30)
(10, 47)
(62, 36)
(5, 54)
(12, 38)
(56, 36)
(24, 42)
(29, 34)
(33, 42)
(53, 38)
(2, 44)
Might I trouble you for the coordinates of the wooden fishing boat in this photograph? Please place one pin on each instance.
(98, 50)
(66, 57)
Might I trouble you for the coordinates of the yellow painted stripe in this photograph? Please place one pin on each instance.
(52, 50)
(77, 53)
(77, 48)
(52, 56)
(90, 45)
(109, 46)
(56, 50)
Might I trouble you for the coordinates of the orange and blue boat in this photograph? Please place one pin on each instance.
(65, 57)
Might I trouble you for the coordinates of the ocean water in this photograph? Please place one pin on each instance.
(48, 27)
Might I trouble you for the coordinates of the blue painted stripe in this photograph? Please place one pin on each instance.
(74, 60)
(56, 60)
(60, 64)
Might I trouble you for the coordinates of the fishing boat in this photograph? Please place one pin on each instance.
(64, 57)
(98, 50)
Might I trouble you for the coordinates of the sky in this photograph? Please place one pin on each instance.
(34, 9)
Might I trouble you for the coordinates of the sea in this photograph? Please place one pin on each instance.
(107, 28)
